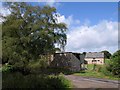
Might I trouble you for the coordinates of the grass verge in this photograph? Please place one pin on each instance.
(99, 72)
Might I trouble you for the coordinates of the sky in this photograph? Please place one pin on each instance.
(92, 26)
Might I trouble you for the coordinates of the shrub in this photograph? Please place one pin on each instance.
(7, 68)
(60, 82)
(105, 70)
(114, 65)
(38, 66)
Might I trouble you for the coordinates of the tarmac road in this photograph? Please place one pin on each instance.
(84, 82)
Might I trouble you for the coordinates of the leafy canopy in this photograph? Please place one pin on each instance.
(30, 31)
(114, 66)
(115, 63)
(107, 54)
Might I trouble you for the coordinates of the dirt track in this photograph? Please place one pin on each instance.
(83, 82)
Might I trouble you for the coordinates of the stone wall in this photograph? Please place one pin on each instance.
(67, 61)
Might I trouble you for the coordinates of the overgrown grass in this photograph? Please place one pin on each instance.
(107, 61)
(45, 82)
(37, 78)
(95, 74)
(99, 72)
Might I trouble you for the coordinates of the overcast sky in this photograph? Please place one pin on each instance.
(91, 26)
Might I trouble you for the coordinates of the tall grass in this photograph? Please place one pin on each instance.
(46, 82)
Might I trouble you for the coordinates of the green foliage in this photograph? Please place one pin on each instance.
(107, 61)
(94, 67)
(114, 65)
(107, 54)
(30, 31)
(100, 71)
(17, 80)
(38, 66)
(7, 68)
(90, 66)
(105, 71)
(59, 79)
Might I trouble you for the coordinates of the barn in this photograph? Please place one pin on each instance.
(67, 61)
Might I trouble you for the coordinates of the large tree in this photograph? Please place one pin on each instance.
(107, 54)
(30, 31)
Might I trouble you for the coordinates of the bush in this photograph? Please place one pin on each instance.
(17, 80)
(105, 71)
(114, 65)
(59, 82)
(34, 66)
(38, 66)
(7, 68)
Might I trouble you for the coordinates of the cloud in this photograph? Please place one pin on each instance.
(102, 36)
(53, 3)
(50, 2)
(81, 37)
(70, 21)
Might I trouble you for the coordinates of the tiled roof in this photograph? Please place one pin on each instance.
(94, 55)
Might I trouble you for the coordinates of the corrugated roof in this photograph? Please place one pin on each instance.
(94, 55)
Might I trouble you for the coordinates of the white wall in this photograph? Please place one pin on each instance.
(98, 60)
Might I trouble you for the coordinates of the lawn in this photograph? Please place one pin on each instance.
(97, 73)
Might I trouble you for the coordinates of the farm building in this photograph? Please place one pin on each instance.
(94, 58)
(75, 61)
(68, 60)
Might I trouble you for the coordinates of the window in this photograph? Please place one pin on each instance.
(93, 60)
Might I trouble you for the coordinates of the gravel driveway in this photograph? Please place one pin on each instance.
(84, 82)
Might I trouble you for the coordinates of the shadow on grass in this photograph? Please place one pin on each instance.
(64, 71)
